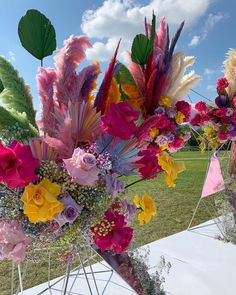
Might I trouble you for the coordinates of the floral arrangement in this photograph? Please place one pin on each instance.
(63, 177)
(219, 120)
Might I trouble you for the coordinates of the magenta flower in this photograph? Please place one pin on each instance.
(201, 106)
(120, 120)
(185, 108)
(17, 165)
(222, 83)
(13, 241)
(70, 212)
(112, 233)
(82, 167)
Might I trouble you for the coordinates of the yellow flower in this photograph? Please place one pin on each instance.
(148, 207)
(170, 167)
(179, 118)
(135, 97)
(153, 132)
(40, 201)
(165, 101)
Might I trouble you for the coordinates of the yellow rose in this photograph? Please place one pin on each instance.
(40, 201)
(179, 118)
(148, 207)
(165, 101)
(170, 167)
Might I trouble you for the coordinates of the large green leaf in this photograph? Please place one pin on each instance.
(141, 49)
(37, 34)
(123, 75)
(1, 86)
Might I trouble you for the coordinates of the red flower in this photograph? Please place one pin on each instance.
(196, 120)
(220, 113)
(185, 108)
(176, 144)
(222, 83)
(234, 102)
(233, 118)
(17, 165)
(223, 135)
(112, 233)
(201, 106)
(120, 120)
(149, 164)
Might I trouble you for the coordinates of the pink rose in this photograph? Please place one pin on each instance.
(13, 241)
(222, 83)
(17, 165)
(82, 167)
(120, 120)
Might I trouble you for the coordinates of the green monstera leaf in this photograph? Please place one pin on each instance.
(37, 34)
(141, 49)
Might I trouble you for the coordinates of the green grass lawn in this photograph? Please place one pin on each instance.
(175, 209)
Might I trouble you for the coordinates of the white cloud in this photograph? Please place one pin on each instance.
(194, 41)
(116, 19)
(211, 88)
(209, 72)
(11, 56)
(209, 24)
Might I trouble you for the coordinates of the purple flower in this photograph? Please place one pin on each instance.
(171, 113)
(70, 212)
(129, 209)
(114, 185)
(160, 110)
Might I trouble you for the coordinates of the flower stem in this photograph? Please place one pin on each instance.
(140, 180)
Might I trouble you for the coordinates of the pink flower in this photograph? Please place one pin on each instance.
(112, 233)
(185, 108)
(222, 83)
(120, 120)
(201, 106)
(148, 164)
(176, 144)
(13, 241)
(82, 167)
(17, 165)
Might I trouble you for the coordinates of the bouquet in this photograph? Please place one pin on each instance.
(64, 176)
(219, 120)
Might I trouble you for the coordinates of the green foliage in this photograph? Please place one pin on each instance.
(141, 49)
(37, 34)
(142, 46)
(15, 125)
(1, 86)
(16, 94)
(123, 76)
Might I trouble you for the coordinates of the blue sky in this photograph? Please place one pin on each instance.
(208, 34)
